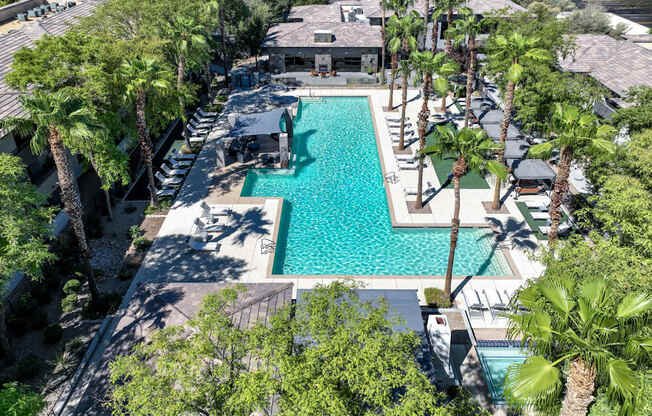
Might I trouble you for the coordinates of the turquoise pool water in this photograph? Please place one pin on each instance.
(495, 362)
(336, 219)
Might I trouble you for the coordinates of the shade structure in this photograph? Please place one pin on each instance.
(532, 169)
(493, 131)
(479, 105)
(489, 117)
(258, 123)
(516, 149)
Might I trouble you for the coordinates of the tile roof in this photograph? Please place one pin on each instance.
(316, 13)
(55, 24)
(351, 35)
(485, 6)
(616, 64)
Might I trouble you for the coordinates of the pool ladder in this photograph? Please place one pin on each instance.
(391, 177)
(266, 245)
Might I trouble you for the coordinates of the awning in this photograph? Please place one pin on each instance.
(480, 104)
(258, 123)
(532, 169)
(516, 149)
(493, 131)
(489, 117)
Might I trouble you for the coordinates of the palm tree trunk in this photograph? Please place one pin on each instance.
(224, 46)
(559, 192)
(72, 204)
(109, 210)
(180, 72)
(469, 81)
(390, 105)
(449, 42)
(401, 143)
(460, 166)
(145, 144)
(443, 103)
(435, 27)
(423, 121)
(509, 98)
(382, 56)
(579, 389)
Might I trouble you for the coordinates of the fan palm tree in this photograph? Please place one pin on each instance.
(62, 121)
(448, 6)
(602, 337)
(472, 151)
(510, 53)
(574, 132)
(404, 40)
(441, 84)
(436, 15)
(186, 36)
(426, 64)
(144, 77)
(466, 29)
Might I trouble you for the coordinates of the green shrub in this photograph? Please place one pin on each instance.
(75, 346)
(69, 303)
(107, 304)
(16, 399)
(222, 98)
(162, 206)
(52, 334)
(71, 286)
(28, 367)
(436, 298)
(38, 319)
(142, 243)
(135, 232)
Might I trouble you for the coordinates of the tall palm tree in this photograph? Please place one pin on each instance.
(144, 77)
(441, 85)
(601, 339)
(405, 31)
(466, 29)
(426, 64)
(574, 132)
(509, 53)
(390, 31)
(448, 6)
(61, 120)
(436, 15)
(472, 150)
(187, 36)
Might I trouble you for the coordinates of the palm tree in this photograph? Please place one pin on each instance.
(390, 31)
(441, 84)
(426, 64)
(467, 29)
(601, 338)
(144, 77)
(62, 121)
(472, 150)
(436, 15)
(449, 5)
(510, 52)
(405, 31)
(574, 132)
(186, 36)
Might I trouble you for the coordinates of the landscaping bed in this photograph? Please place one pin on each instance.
(444, 167)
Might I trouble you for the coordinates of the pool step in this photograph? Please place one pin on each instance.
(312, 99)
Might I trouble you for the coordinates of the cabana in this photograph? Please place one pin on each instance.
(532, 176)
(275, 124)
(516, 149)
(489, 117)
(493, 131)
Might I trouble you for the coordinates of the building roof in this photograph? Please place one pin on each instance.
(616, 64)
(258, 123)
(316, 13)
(532, 169)
(301, 35)
(158, 305)
(486, 6)
(55, 24)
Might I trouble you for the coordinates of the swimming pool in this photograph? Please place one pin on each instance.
(495, 362)
(335, 216)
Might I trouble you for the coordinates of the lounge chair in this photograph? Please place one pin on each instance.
(513, 303)
(172, 181)
(395, 119)
(398, 133)
(200, 226)
(200, 126)
(203, 120)
(213, 212)
(166, 193)
(529, 190)
(475, 309)
(195, 132)
(408, 166)
(199, 245)
(393, 125)
(540, 215)
(563, 229)
(179, 163)
(410, 190)
(407, 158)
(541, 206)
(495, 302)
(206, 113)
(173, 172)
(183, 156)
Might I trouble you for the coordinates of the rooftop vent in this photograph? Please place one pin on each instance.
(323, 36)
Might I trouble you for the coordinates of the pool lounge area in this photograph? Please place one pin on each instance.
(321, 235)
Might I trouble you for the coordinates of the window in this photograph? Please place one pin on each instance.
(352, 61)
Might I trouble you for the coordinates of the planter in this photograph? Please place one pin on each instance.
(21, 17)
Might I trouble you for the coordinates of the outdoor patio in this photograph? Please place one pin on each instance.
(342, 79)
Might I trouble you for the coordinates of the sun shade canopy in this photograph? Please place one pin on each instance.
(532, 169)
(493, 131)
(489, 117)
(258, 123)
(516, 149)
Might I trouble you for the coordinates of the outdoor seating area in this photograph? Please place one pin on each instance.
(199, 125)
(207, 226)
(44, 10)
(488, 304)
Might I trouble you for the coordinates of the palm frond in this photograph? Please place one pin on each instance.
(634, 304)
(534, 380)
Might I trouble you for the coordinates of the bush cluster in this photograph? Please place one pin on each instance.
(436, 298)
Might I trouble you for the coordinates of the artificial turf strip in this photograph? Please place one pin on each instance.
(535, 224)
(444, 167)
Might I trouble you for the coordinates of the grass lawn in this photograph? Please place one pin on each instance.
(443, 168)
(535, 224)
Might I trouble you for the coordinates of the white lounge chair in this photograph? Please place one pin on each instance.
(540, 215)
(183, 156)
(474, 308)
(397, 133)
(200, 125)
(173, 172)
(196, 132)
(206, 113)
(200, 226)
(166, 193)
(563, 229)
(213, 212)
(540, 205)
(179, 163)
(173, 181)
(496, 305)
(405, 156)
(408, 166)
(395, 119)
(196, 139)
(410, 190)
(392, 125)
(202, 119)
(203, 245)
